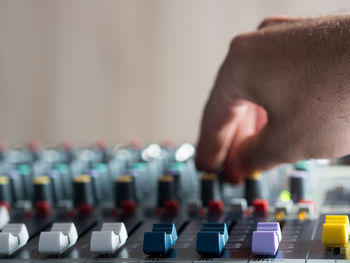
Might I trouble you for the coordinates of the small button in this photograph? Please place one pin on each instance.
(216, 206)
(128, 207)
(42, 207)
(239, 205)
(282, 209)
(261, 205)
(193, 207)
(171, 206)
(305, 209)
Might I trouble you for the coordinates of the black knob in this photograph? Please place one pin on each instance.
(5, 191)
(297, 183)
(124, 189)
(253, 187)
(166, 189)
(83, 192)
(16, 186)
(42, 197)
(209, 188)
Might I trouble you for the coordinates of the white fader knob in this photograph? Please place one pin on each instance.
(111, 237)
(12, 238)
(61, 237)
(4, 216)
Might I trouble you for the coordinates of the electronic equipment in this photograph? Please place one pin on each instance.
(135, 203)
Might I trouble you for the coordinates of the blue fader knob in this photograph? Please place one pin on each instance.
(212, 239)
(160, 240)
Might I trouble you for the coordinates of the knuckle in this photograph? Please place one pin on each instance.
(243, 45)
(272, 20)
(267, 21)
(238, 43)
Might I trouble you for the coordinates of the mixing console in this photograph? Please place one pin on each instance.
(134, 203)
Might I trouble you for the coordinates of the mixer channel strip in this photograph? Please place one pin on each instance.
(131, 224)
(318, 251)
(186, 245)
(135, 242)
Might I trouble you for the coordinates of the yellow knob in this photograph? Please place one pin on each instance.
(254, 175)
(124, 179)
(85, 178)
(41, 180)
(209, 176)
(4, 180)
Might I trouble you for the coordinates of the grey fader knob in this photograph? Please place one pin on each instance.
(111, 237)
(12, 238)
(61, 237)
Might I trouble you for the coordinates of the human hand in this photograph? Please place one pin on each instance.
(282, 95)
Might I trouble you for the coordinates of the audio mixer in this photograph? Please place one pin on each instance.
(137, 203)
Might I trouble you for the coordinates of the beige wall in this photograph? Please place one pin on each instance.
(118, 70)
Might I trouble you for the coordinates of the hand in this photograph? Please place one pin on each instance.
(282, 95)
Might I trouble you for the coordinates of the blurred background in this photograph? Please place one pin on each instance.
(119, 70)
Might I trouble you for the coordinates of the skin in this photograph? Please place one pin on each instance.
(281, 95)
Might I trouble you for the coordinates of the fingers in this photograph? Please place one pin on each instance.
(222, 114)
(246, 128)
(275, 20)
(261, 118)
(219, 123)
(276, 143)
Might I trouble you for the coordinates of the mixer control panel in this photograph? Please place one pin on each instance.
(137, 203)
